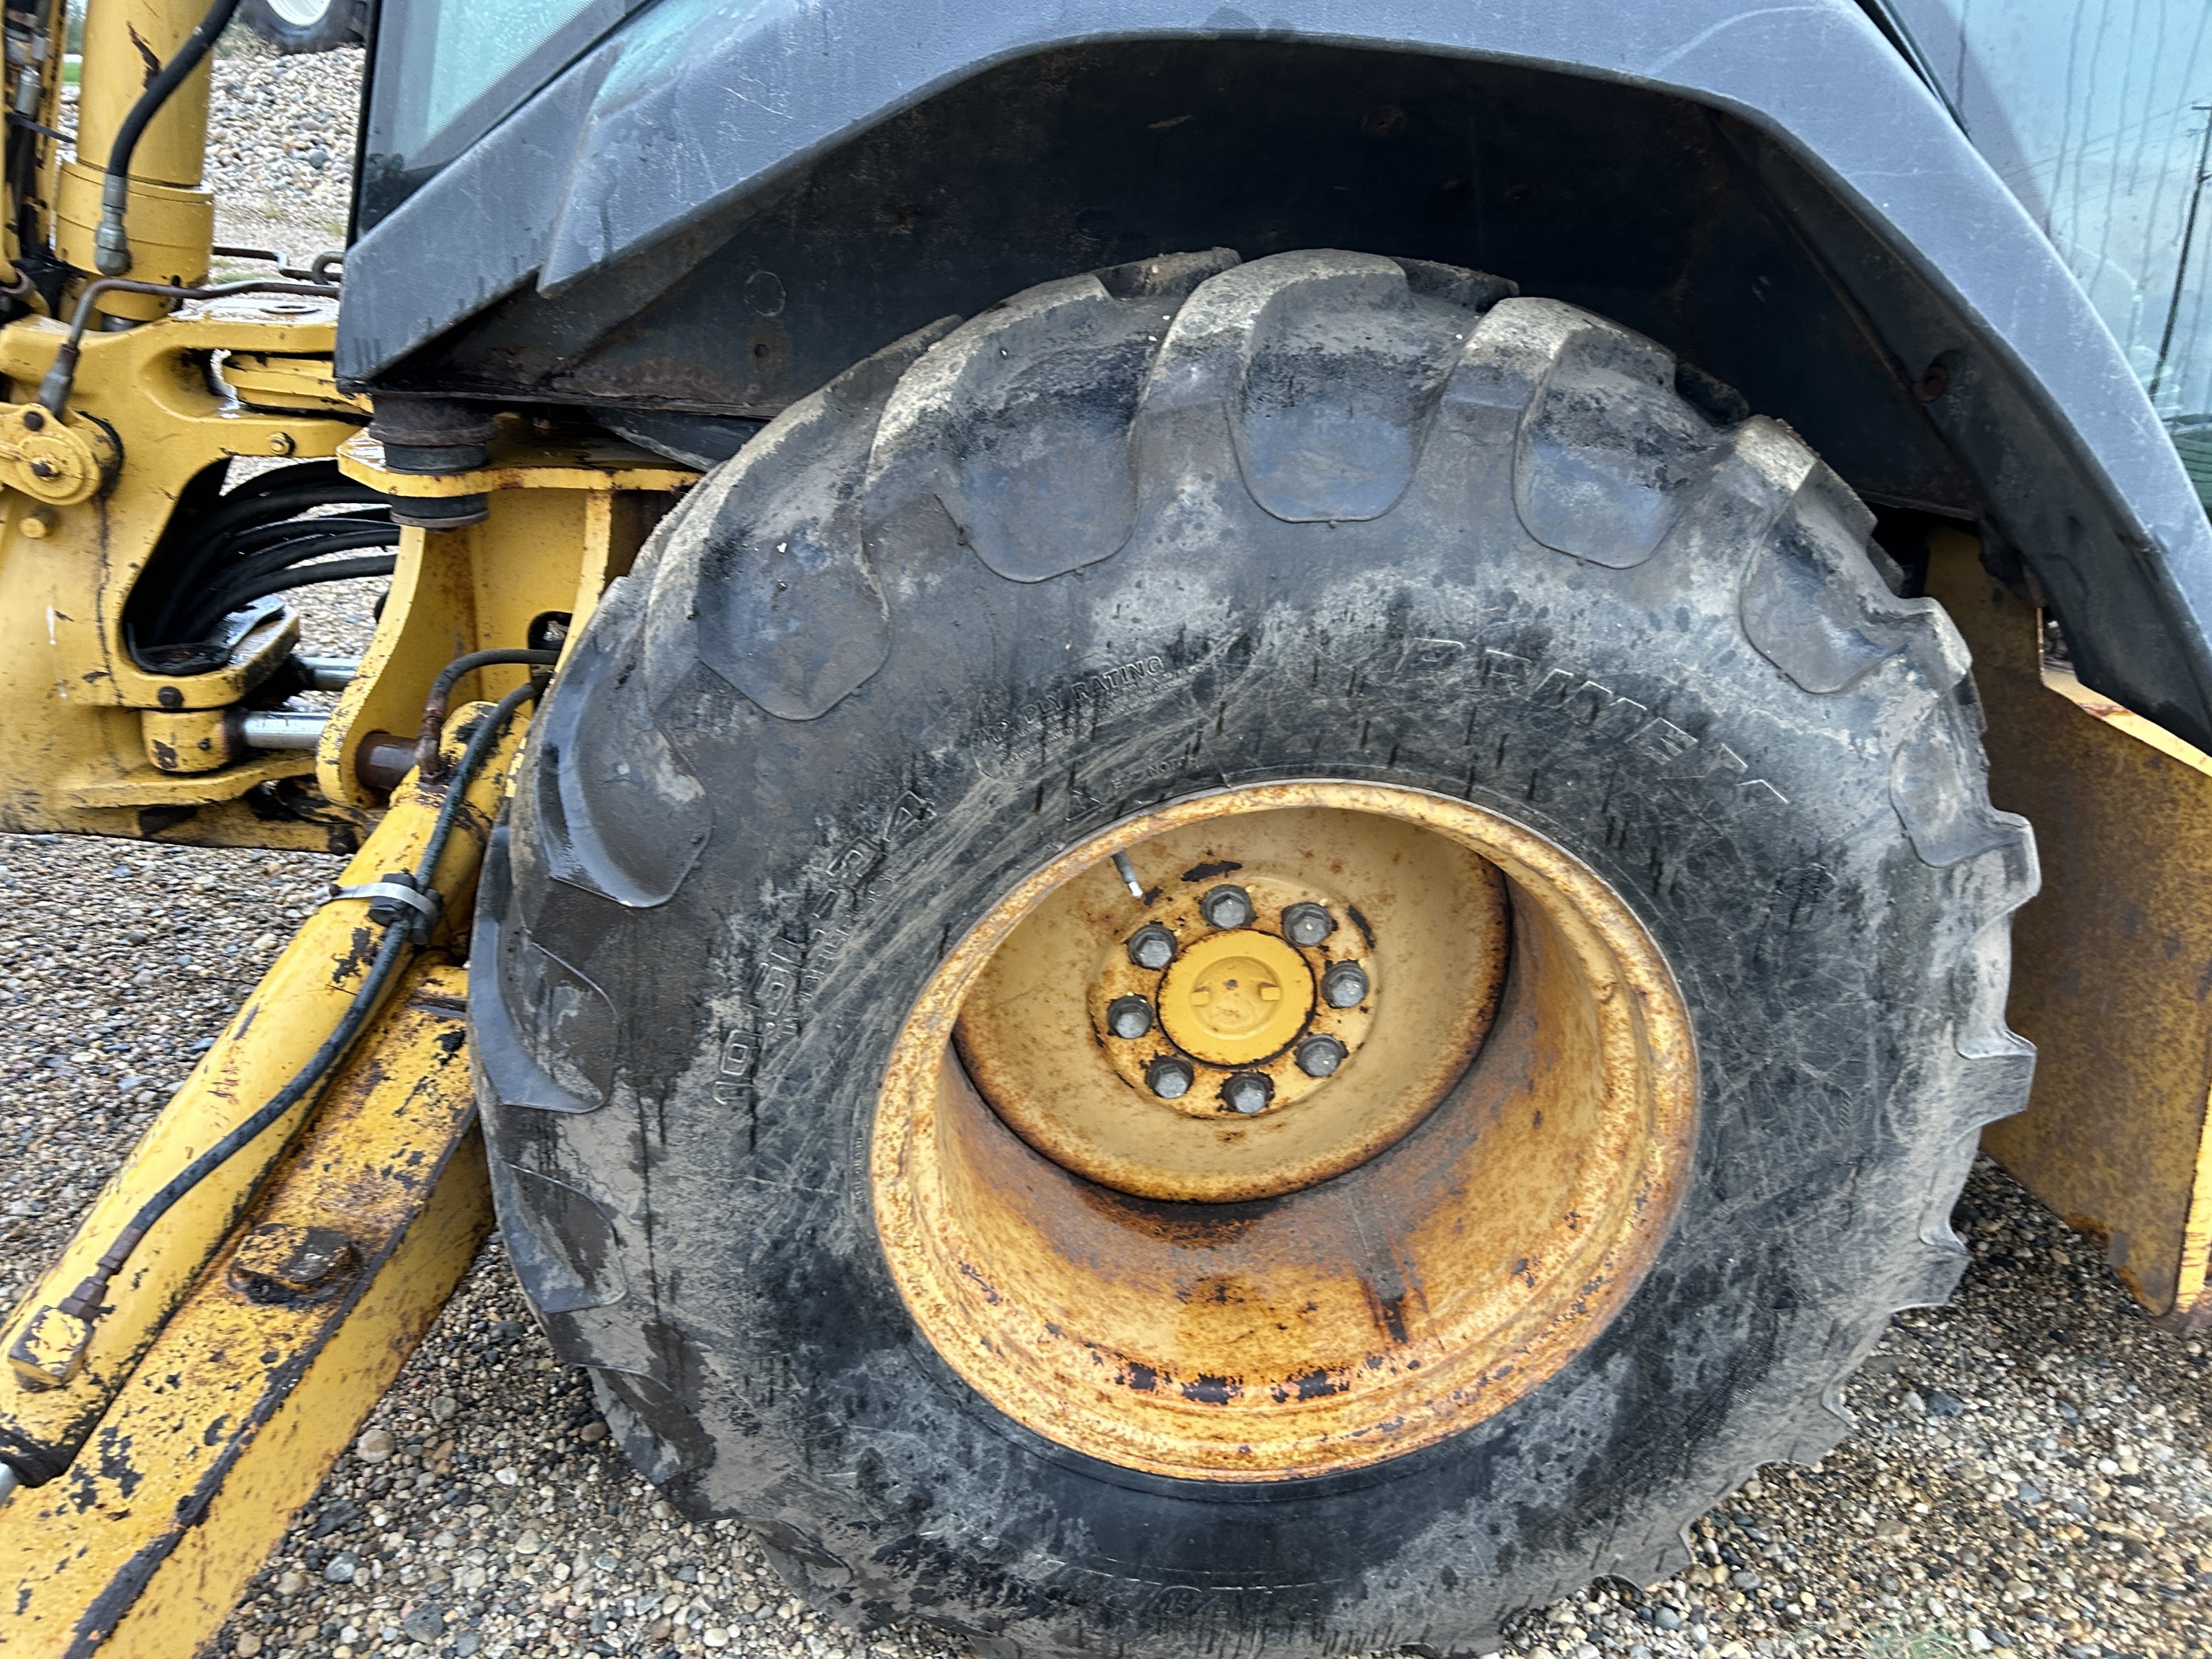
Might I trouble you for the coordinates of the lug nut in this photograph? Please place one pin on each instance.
(1168, 1077)
(1248, 1093)
(1343, 985)
(1129, 1018)
(1307, 924)
(1151, 946)
(1226, 907)
(1320, 1056)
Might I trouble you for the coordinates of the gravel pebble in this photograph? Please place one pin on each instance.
(281, 146)
(2028, 1471)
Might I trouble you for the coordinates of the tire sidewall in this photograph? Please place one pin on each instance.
(343, 23)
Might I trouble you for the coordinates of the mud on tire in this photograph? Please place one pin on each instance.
(1123, 538)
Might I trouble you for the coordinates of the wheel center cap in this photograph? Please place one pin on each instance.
(1236, 997)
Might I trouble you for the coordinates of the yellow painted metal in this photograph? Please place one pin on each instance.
(524, 456)
(171, 220)
(269, 381)
(52, 459)
(268, 1366)
(297, 1004)
(71, 695)
(191, 740)
(564, 520)
(1348, 1322)
(1422, 915)
(1234, 998)
(567, 518)
(2110, 962)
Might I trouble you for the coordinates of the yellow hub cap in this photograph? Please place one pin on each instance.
(1379, 1255)
(1236, 997)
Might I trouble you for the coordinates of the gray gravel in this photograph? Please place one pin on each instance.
(279, 155)
(2028, 1468)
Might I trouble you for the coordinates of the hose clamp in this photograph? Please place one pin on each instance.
(396, 900)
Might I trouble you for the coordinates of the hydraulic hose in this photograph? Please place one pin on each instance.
(400, 927)
(242, 589)
(111, 245)
(442, 689)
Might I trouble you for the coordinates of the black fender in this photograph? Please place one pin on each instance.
(1856, 267)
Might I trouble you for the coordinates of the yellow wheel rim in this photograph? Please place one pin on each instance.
(1367, 1261)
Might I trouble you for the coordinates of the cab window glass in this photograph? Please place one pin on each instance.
(446, 71)
(459, 48)
(2094, 113)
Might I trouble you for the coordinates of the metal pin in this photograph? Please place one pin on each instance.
(1128, 875)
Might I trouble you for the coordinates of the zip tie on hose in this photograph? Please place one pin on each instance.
(110, 244)
(401, 928)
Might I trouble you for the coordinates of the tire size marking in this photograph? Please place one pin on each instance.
(992, 746)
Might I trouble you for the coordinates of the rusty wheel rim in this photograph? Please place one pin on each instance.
(1461, 1218)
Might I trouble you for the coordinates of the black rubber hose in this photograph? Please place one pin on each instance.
(111, 245)
(442, 690)
(266, 531)
(84, 1302)
(212, 535)
(481, 740)
(254, 506)
(244, 582)
(264, 541)
(337, 570)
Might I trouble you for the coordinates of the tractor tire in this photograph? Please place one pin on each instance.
(1128, 549)
(292, 27)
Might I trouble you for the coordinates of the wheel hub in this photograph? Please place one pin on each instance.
(1225, 1036)
(1236, 997)
(1236, 1005)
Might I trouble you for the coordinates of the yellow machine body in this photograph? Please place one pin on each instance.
(2110, 962)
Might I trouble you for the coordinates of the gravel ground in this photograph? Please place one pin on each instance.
(2027, 1470)
(279, 155)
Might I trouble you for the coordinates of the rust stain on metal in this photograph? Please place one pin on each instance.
(1450, 1270)
(2108, 961)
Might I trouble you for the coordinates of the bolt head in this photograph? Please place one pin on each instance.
(1151, 946)
(1320, 1056)
(1168, 1077)
(1226, 907)
(1343, 985)
(1129, 1018)
(1307, 924)
(1248, 1093)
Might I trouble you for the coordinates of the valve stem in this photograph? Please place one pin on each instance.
(1129, 872)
